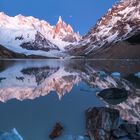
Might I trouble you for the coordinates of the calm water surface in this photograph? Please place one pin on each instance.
(35, 94)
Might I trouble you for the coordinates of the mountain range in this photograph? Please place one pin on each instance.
(115, 36)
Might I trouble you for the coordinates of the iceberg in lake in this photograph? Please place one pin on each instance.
(137, 74)
(11, 135)
(72, 137)
(116, 75)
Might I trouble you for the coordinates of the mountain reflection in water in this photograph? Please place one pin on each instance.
(30, 79)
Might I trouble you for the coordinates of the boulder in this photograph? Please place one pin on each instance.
(57, 131)
(105, 124)
(116, 75)
(11, 135)
(113, 96)
(100, 122)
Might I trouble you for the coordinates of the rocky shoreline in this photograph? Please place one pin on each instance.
(102, 123)
(105, 124)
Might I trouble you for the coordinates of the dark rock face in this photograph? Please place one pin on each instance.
(5, 53)
(120, 50)
(40, 43)
(19, 38)
(21, 78)
(105, 124)
(57, 131)
(134, 39)
(69, 38)
(113, 95)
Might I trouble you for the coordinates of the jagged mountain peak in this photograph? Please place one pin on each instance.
(62, 28)
(22, 30)
(60, 19)
(29, 20)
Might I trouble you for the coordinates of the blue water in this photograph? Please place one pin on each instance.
(34, 118)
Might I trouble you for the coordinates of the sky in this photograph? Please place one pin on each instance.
(80, 14)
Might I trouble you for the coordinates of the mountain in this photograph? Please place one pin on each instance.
(31, 36)
(116, 34)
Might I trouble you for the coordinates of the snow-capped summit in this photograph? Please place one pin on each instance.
(62, 29)
(22, 34)
(120, 23)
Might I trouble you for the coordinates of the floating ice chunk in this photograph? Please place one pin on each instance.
(11, 135)
(73, 137)
(137, 74)
(80, 138)
(116, 75)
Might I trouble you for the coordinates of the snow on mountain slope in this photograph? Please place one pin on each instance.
(120, 23)
(28, 34)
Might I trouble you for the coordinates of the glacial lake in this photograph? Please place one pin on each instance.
(35, 94)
